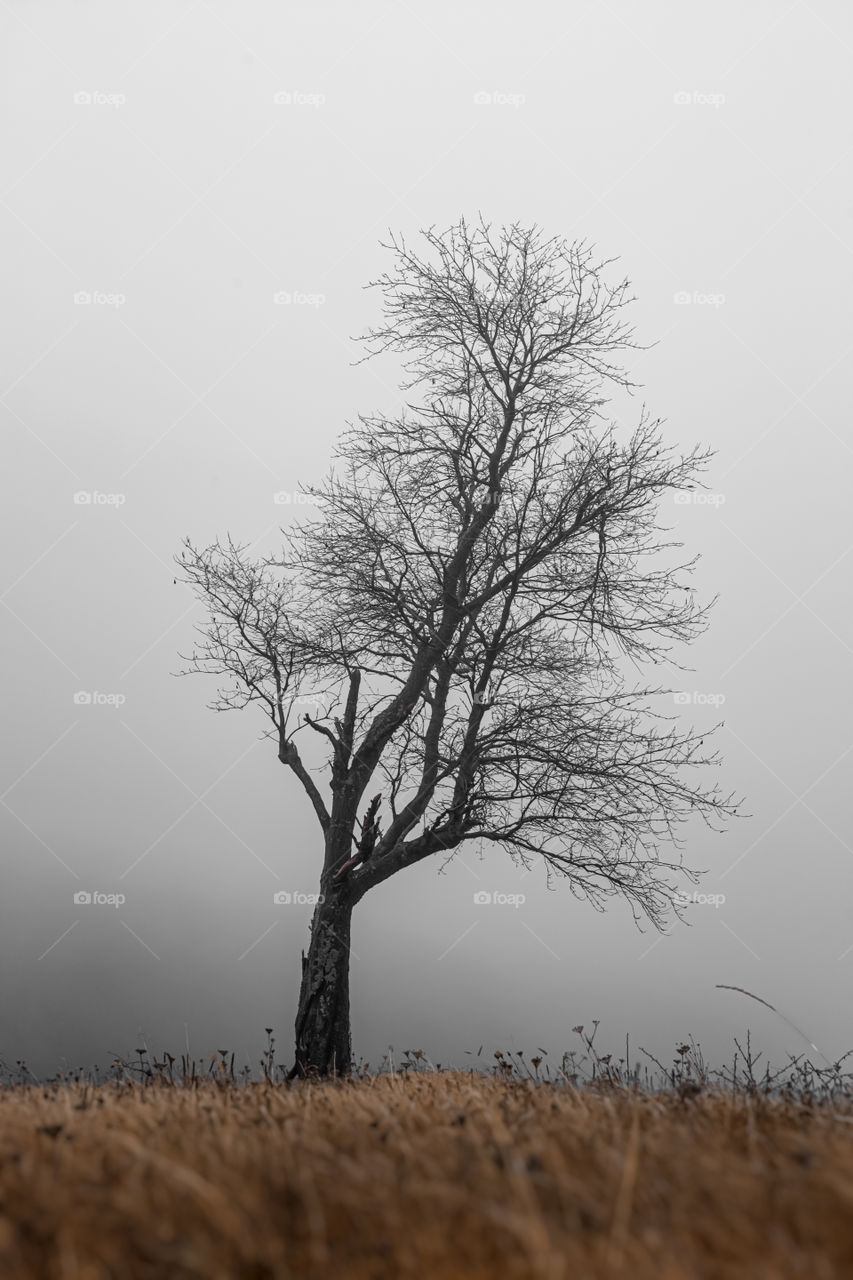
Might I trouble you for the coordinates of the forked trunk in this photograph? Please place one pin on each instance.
(323, 1043)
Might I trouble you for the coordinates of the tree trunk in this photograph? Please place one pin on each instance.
(323, 1044)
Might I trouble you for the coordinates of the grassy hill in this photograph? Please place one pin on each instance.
(428, 1174)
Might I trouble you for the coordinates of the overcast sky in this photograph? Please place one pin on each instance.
(169, 170)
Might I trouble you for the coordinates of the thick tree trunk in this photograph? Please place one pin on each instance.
(323, 1044)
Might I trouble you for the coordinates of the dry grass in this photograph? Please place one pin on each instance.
(421, 1174)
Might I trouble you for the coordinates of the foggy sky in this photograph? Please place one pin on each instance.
(181, 164)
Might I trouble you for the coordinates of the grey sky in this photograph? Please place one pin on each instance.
(148, 165)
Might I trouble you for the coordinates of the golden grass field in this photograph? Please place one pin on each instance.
(428, 1174)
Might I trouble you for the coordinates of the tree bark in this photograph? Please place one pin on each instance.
(323, 1041)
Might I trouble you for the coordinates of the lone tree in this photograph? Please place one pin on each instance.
(483, 570)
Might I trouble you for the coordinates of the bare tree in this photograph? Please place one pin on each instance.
(483, 571)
